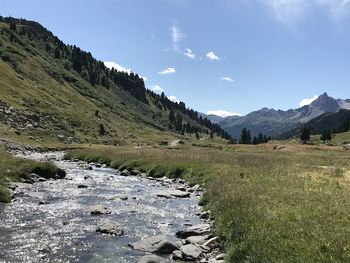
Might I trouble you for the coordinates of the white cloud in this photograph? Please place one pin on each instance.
(167, 71)
(112, 64)
(211, 55)
(305, 102)
(157, 89)
(228, 79)
(176, 36)
(173, 99)
(189, 53)
(116, 66)
(222, 113)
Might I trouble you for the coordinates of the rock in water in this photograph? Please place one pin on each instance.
(110, 227)
(151, 259)
(196, 230)
(191, 252)
(173, 193)
(199, 240)
(177, 255)
(156, 244)
(99, 210)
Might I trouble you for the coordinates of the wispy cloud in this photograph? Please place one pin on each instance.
(173, 99)
(157, 89)
(222, 113)
(211, 56)
(116, 66)
(189, 53)
(176, 36)
(290, 12)
(167, 71)
(228, 79)
(305, 102)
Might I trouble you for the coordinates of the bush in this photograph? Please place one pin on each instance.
(5, 196)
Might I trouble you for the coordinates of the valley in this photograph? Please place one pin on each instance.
(96, 167)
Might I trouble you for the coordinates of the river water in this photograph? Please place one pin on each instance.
(61, 229)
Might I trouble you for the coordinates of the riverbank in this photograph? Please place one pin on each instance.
(20, 170)
(268, 203)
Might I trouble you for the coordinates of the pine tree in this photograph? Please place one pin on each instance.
(101, 130)
(13, 26)
(172, 116)
(57, 53)
(246, 137)
(249, 138)
(305, 134)
(326, 136)
(255, 141)
(260, 138)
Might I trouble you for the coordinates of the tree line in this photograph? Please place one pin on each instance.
(246, 138)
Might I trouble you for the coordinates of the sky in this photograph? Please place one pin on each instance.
(224, 56)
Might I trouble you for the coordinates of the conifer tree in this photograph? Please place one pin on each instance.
(305, 134)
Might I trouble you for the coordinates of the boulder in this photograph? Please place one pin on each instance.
(220, 256)
(199, 240)
(110, 227)
(99, 210)
(173, 193)
(177, 255)
(135, 172)
(196, 230)
(191, 251)
(151, 259)
(155, 244)
(211, 243)
(124, 173)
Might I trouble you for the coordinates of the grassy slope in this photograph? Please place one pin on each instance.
(33, 82)
(288, 205)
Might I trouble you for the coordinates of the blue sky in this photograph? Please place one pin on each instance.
(229, 55)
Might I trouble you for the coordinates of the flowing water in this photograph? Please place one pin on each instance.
(61, 229)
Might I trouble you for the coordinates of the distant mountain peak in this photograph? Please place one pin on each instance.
(326, 103)
(272, 122)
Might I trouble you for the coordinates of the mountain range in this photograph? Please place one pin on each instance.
(273, 122)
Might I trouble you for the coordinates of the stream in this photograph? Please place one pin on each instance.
(50, 221)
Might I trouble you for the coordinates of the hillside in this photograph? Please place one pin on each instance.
(275, 122)
(52, 92)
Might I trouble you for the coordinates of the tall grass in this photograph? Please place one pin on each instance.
(15, 169)
(289, 205)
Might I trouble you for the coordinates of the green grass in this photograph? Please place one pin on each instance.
(15, 169)
(289, 205)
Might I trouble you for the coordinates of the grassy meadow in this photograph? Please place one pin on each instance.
(287, 205)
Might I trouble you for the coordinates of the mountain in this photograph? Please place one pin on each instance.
(53, 92)
(275, 122)
(332, 121)
(213, 118)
